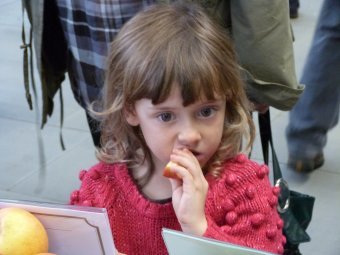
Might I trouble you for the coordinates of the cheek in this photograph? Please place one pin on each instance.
(215, 134)
(158, 141)
(215, 139)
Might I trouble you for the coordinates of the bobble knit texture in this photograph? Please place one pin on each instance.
(240, 208)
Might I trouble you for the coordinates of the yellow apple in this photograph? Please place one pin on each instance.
(21, 233)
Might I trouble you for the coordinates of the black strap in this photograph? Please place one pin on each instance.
(293, 229)
(266, 139)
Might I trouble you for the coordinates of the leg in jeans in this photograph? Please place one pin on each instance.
(317, 111)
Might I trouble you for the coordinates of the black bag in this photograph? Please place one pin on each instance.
(295, 208)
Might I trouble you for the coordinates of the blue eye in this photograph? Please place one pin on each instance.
(165, 117)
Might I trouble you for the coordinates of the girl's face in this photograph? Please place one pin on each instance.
(169, 125)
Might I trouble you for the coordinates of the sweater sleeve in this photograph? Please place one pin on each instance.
(93, 188)
(241, 207)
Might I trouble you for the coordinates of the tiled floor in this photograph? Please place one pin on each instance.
(21, 165)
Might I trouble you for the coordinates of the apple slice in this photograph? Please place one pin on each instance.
(167, 172)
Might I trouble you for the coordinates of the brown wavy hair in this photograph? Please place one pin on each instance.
(159, 47)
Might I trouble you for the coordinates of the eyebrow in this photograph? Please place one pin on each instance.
(213, 101)
(160, 107)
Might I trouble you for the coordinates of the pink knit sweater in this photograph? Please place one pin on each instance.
(240, 208)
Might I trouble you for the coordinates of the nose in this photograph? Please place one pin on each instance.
(189, 135)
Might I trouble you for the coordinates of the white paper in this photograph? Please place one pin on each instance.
(71, 229)
(179, 243)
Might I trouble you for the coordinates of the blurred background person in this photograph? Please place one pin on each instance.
(317, 110)
(73, 37)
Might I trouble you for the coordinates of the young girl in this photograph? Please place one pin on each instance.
(173, 93)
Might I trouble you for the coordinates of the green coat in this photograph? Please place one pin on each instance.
(263, 40)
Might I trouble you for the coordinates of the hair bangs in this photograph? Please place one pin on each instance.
(183, 64)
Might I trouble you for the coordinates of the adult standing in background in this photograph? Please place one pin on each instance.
(317, 110)
(73, 37)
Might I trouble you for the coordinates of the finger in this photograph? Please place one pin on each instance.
(188, 182)
(181, 172)
(187, 160)
(186, 157)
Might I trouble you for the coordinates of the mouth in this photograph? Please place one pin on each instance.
(199, 156)
(195, 153)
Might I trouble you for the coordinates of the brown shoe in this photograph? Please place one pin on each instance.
(306, 165)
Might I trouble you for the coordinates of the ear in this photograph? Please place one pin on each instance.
(131, 116)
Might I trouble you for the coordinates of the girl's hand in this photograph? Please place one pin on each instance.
(189, 193)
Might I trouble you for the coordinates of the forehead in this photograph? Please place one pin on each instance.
(176, 95)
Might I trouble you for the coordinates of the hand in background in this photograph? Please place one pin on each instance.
(258, 107)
